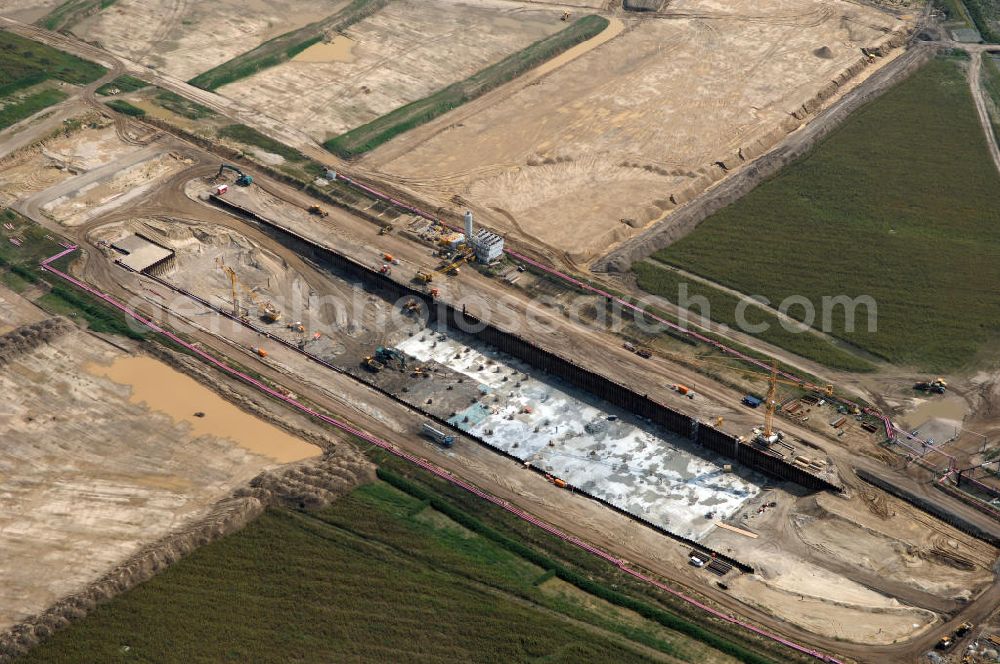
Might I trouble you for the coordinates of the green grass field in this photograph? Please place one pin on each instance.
(900, 204)
(985, 14)
(382, 129)
(378, 576)
(123, 84)
(24, 63)
(657, 279)
(285, 47)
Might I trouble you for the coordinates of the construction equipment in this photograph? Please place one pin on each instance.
(385, 356)
(242, 179)
(411, 306)
(384, 230)
(435, 292)
(318, 211)
(372, 364)
(644, 352)
(424, 277)
(565, 16)
(262, 352)
(438, 436)
(964, 629)
(936, 386)
(451, 269)
(767, 436)
(385, 269)
(297, 327)
(268, 312)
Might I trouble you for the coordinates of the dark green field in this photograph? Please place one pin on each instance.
(123, 106)
(382, 129)
(656, 279)
(378, 576)
(900, 203)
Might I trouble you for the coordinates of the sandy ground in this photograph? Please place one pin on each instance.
(400, 54)
(185, 38)
(92, 196)
(27, 11)
(596, 150)
(91, 474)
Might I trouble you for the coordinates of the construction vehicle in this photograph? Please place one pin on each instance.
(372, 364)
(411, 306)
(262, 352)
(434, 293)
(644, 352)
(242, 179)
(268, 312)
(384, 230)
(297, 327)
(438, 436)
(945, 643)
(318, 211)
(629, 347)
(681, 389)
(385, 269)
(424, 277)
(936, 386)
(385, 356)
(565, 16)
(964, 629)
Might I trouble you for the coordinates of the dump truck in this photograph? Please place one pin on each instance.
(752, 401)
(318, 211)
(372, 364)
(262, 352)
(440, 437)
(681, 389)
(424, 277)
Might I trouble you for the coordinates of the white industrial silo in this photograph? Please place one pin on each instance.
(468, 225)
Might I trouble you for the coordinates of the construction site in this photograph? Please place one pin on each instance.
(408, 295)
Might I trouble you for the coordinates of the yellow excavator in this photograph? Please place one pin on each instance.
(268, 312)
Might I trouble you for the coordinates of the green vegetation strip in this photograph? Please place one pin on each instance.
(181, 106)
(285, 47)
(249, 136)
(69, 13)
(572, 577)
(380, 130)
(123, 106)
(985, 14)
(24, 63)
(897, 204)
(723, 307)
(122, 84)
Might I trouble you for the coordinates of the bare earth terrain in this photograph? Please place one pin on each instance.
(91, 473)
(185, 38)
(613, 140)
(404, 52)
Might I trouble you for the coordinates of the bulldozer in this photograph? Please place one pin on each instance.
(318, 211)
(372, 364)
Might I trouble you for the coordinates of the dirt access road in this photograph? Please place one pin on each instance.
(978, 94)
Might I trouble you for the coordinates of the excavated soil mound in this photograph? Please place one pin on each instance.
(823, 52)
(29, 337)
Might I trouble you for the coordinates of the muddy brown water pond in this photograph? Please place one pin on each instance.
(164, 389)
